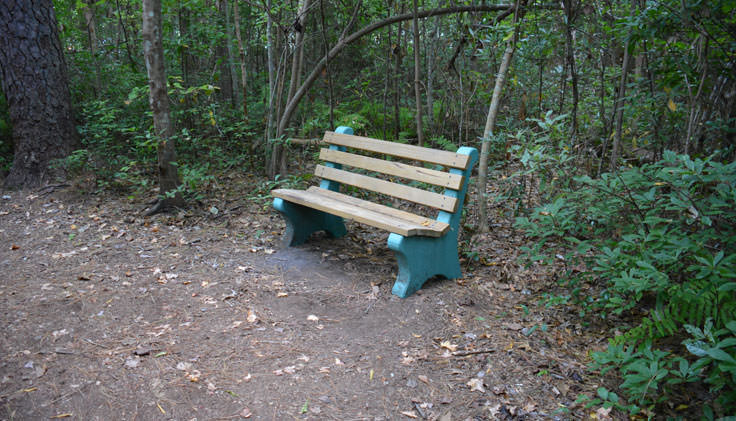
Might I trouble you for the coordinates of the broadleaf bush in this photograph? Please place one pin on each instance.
(658, 245)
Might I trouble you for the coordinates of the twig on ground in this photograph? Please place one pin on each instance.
(472, 352)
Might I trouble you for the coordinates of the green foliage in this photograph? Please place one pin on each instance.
(658, 239)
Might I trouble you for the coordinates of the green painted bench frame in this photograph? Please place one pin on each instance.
(419, 257)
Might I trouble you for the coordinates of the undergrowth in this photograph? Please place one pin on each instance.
(658, 244)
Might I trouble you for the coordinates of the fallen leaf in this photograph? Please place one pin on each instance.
(246, 413)
(423, 378)
(476, 384)
(194, 376)
(184, 366)
(447, 345)
(132, 362)
(282, 294)
(65, 415)
(513, 326)
(252, 317)
(410, 414)
(312, 318)
(603, 414)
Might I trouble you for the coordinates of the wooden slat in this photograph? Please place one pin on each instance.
(360, 213)
(422, 197)
(428, 223)
(433, 156)
(425, 175)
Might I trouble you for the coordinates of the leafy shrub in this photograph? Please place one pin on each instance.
(660, 239)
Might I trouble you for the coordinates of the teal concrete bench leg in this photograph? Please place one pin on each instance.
(302, 221)
(421, 258)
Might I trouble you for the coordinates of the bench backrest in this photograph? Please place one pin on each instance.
(453, 180)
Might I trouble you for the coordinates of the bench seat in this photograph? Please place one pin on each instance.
(363, 211)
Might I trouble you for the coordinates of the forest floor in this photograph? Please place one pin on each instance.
(202, 315)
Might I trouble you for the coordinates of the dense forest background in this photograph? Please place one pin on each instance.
(612, 125)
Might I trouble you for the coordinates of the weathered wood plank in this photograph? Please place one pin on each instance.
(361, 213)
(412, 194)
(398, 169)
(429, 223)
(433, 156)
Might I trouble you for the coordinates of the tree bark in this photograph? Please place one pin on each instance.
(34, 79)
(417, 77)
(620, 103)
(185, 61)
(397, 82)
(271, 77)
(328, 71)
(131, 62)
(231, 56)
(225, 82)
(89, 20)
(241, 51)
(153, 53)
(491, 120)
(570, 16)
(298, 53)
(430, 72)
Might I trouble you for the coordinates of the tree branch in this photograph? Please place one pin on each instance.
(342, 43)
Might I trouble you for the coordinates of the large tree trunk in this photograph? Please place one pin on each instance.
(491, 120)
(153, 52)
(34, 80)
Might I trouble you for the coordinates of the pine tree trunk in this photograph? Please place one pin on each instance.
(153, 53)
(34, 79)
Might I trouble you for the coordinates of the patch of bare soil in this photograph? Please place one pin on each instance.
(202, 315)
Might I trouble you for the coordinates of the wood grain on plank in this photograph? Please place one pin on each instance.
(433, 156)
(398, 169)
(412, 194)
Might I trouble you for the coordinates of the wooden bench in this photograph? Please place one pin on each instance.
(424, 247)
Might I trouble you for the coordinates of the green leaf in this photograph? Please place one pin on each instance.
(721, 355)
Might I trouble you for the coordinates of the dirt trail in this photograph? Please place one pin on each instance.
(108, 315)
